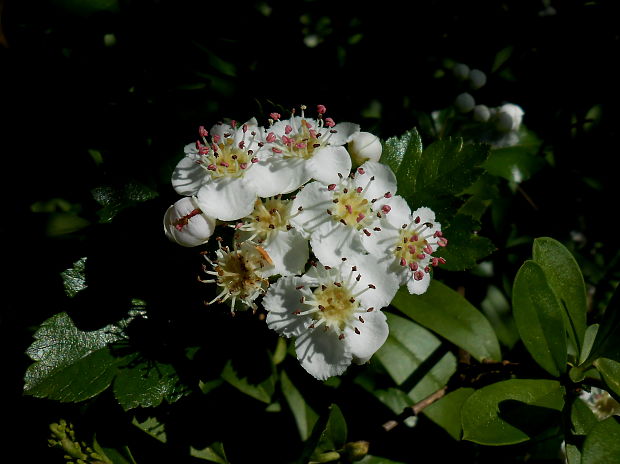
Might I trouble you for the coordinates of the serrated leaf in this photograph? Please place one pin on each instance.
(539, 318)
(446, 412)
(447, 313)
(515, 164)
(304, 415)
(465, 247)
(602, 445)
(74, 279)
(262, 391)
(142, 383)
(153, 427)
(115, 199)
(213, 453)
(406, 149)
(70, 364)
(511, 411)
(565, 279)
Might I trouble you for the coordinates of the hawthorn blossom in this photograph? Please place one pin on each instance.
(219, 170)
(333, 312)
(186, 224)
(241, 274)
(303, 149)
(406, 245)
(269, 225)
(335, 217)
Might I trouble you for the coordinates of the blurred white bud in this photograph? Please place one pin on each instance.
(365, 146)
(477, 79)
(481, 113)
(460, 71)
(186, 224)
(464, 102)
(509, 117)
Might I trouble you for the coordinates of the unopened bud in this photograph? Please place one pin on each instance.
(477, 79)
(356, 450)
(464, 102)
(186, 224)
(481, 113)
(509, 117)
(365, 146)
(460, 71)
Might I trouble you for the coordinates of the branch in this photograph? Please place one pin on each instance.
(415, 409)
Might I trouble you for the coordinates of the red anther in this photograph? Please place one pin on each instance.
(377, 229)
(297, 312)
(413, 266)
(353, 268)
(254, 160)
(337, 284)
(331, 187)
(357, 331)
(427, 269)
(411, 249)
(216, 139)
(359, 189)
(428, 249)
(442, 242)
(203, 150)
(239, 225)
(212, 167)
(417, 220)
(359, 276)
(261, 144)
(301, 208)
(202, 131)
(361, 171)
(403, 262)
(413, 238)
(313, 134)
(360, 217)
(243, 165)
(241, 144)
(361, 319)
(349, 209)
(329, 122)
(371, 286)
(215, 147)
(311, 326)
(275, 116)
(321, 109)
(271, 137)
(300, 145)
(329, 211)
(233, 123)
(435, 262)
(183, 221)
(299, 287)
(418, 275)
(224, 164)
(387, 195)
(287, 140)
(366, 232)
(369, 310)
(276, 150)
(386, 209)
(442, 260)
(244, 128)
(288, 129)
(420, 256)
(437, 234)
(341, 337)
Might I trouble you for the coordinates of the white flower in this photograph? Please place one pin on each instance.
(336, 216)
(269, 225)
(304, 149)
(241, 274)
(220, 170)
(365, 146)
(334, 313)
(509, 117)
(406, 245)
(186, 224)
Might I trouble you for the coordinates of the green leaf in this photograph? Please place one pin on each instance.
(610, 371)
(262, 391)
(153, 427)
(607, 341)
(212, 453)
(602, 445)
(447, 411)
(466, 247)
(115, 199)
(405, 150)
(333, 434)
(588, 342)
(565, 279)
(146, 383)
(447, 313)
(70, 364)
(304, 415)
(539, 318)
(515, 164)
(377, 460)
(497, 309)
(119, 455)
(511, 411)
(74, 279)
(582, 417)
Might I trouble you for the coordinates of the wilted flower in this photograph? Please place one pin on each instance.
(334, 313)
(186, 224)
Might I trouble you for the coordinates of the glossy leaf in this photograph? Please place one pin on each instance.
(262, 391)
(74, 278)
(466, 247)
(602, 445)
(114, 199)
(498, 311)
(610, 371)
(565, 279)
(329, 434)
(582, 418)
(539, 318)
(304, 415)
(213, 453)
(404, 151)
(511, 411)
(448, 314)
(515, 164)
(447, 411)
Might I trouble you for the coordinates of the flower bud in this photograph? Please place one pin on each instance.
(464, 102)
(477, 79)
(481, 113)
(186, 224)
(460, 71)
(365, 146)
(509, 117)
(356, 450)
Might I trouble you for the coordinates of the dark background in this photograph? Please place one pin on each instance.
(176, 65)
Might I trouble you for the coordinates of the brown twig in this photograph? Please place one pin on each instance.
(415, 409)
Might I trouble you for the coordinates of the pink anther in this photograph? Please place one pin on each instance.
(321, 109)
(329, 122)
(275, 116)
(386, 208)
(331, 187)
(271, 137)
(202, 131)
(288, 129)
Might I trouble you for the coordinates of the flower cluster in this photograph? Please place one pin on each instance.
(318, 230)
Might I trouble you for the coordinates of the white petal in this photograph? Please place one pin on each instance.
(188, 177)
(333, 241)
(425, 214)
(399, 214)
(344, 133)
(196, 231)
(376, 275)
(288, 250)
(226, 199)
(417, 287)
(328, 162)
(276, 176)
(372, 335)
(314, 200)
(220, 129)
(381, 243)
(384, 181)
(322, 354)
(281, 300)
(279, 128)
